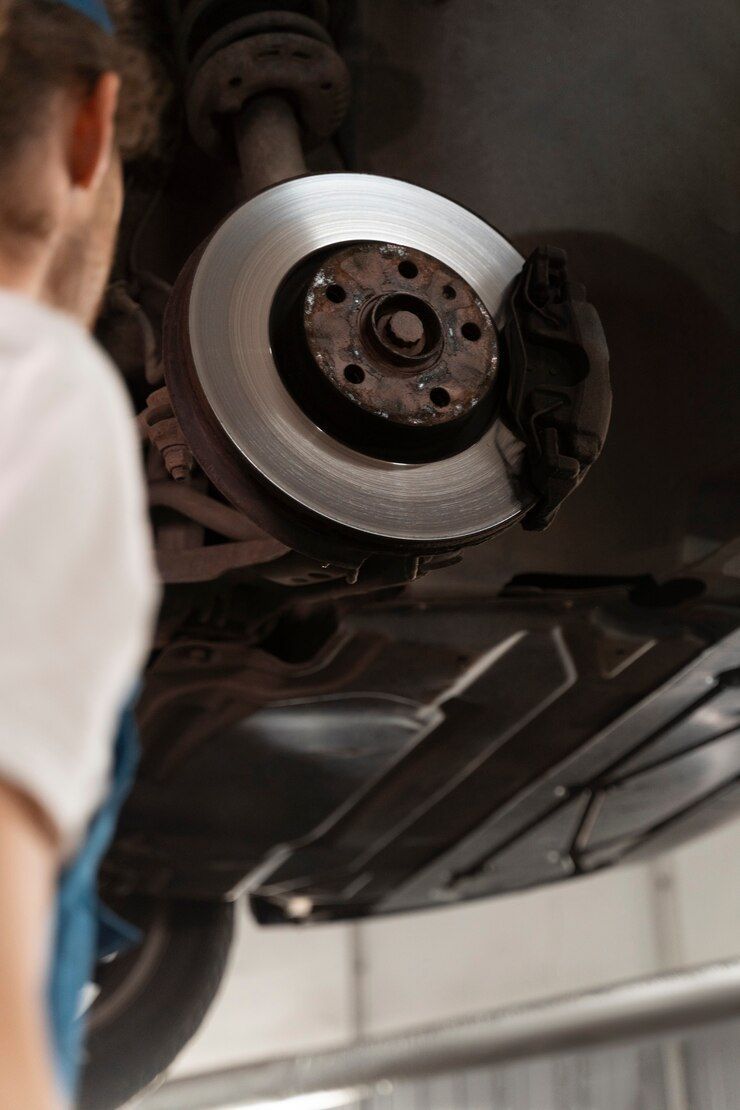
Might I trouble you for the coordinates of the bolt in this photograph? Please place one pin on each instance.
(179, 461)
(405, 328)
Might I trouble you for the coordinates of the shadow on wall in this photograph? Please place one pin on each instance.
(389, 98)
(672, 459)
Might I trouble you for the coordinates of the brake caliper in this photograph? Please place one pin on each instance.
(559, 393)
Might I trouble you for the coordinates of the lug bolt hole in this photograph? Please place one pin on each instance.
(471, 331)
(235, 82)
(449, 293)
(440, 398)
(336, 294)
(354, 374)
(407, 269)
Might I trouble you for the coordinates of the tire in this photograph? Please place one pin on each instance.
(151, 1000)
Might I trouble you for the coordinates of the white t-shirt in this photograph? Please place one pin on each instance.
(77, 581)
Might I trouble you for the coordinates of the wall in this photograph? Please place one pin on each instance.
(295, 990)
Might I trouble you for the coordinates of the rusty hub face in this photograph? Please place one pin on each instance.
(399, 334)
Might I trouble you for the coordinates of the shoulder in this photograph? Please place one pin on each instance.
(69, 447)
(62, 400)
(46, 356)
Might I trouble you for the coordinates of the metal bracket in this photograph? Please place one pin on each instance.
(559, 393)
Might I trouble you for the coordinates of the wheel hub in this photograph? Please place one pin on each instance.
(399, 334)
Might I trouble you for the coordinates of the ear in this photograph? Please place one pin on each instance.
(93, 128)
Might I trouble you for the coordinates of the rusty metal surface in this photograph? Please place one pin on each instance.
(205, 510)
(268, 142)
(164, 432)
(187, 523)
(256, 23)
(202, 23)
(206, 563)
(311, 72)
(400, 334)
(183, 553)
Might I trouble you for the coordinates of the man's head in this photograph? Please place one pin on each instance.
(60, 176)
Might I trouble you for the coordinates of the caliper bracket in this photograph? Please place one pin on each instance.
(558, 396)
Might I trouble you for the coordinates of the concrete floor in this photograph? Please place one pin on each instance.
(610, 130)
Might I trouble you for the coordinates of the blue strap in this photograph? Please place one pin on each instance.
(84, 928)
(93, 9)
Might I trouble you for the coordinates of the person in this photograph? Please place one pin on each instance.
(77, 583)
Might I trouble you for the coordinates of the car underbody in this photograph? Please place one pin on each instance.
(343, 724)
(355, 705)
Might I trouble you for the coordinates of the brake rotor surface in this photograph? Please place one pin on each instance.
(465, 496)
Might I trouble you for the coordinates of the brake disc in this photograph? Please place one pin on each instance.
(341, 336)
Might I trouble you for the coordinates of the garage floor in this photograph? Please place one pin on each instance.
(610, 130)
